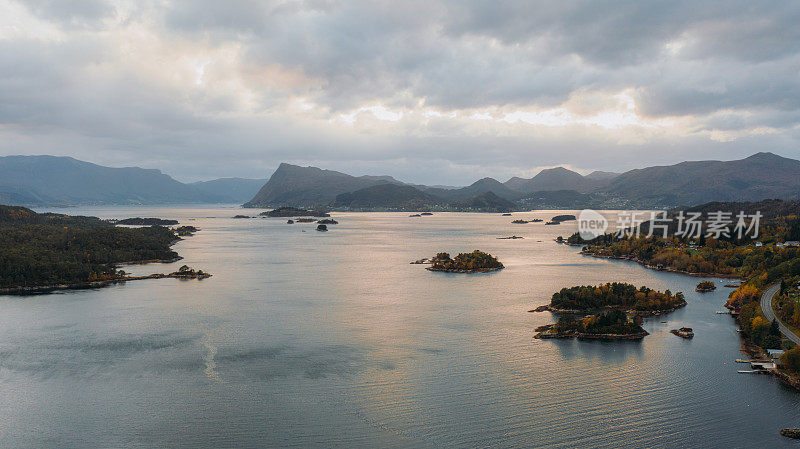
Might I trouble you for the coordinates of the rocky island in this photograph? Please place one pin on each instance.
(186, 272)
(611, 324)
(285, 212)
(185, 231)
(560, 218)
(474, 262)
(683, 332)
(705, 286)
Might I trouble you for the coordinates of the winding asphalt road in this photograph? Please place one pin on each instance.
(766, 307)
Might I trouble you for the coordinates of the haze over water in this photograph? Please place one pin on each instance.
(310, 339)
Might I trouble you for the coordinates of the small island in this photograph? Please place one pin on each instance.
(684, 332)
(518, 221)
(474, 262)
(615, 295)
(138, 221)
(706, 286)
(322, 228)
(285, 212)
(510, 237)
(185, 231)
(241, 216)
(612, 324)
(427, 213)
(327, 221)
(186, 272)
(560, 218)
(305, 220)
(609, 306)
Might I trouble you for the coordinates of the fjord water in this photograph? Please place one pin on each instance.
(311, 339)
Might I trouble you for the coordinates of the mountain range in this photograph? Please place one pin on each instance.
(58, 181)
(760, 176)
(51, 180)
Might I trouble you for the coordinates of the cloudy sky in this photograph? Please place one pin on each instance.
(433, 91)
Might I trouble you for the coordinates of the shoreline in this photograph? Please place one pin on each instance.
(42, 289)
(545, 335)
(479, 270)
(667, 269)
(752, 351)
(642, 313)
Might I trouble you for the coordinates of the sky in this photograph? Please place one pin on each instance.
(434, 91)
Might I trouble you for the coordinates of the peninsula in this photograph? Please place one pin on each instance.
(46, 252)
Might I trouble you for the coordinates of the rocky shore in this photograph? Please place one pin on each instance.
(652, 267)
(455, 270)
(632, 312)
(40, 289)
(546, 333)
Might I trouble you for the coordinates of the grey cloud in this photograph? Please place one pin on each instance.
(735, 71)
(78, 13)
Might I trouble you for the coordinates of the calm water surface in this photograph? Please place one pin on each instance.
(310, 339)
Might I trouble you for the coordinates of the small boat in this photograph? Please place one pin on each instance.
(750, 371)
(741, 361)
(553, 223)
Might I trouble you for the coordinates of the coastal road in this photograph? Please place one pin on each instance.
(766, 307)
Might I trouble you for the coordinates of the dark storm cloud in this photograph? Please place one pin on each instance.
(191, 86)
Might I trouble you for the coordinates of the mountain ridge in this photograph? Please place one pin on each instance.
(61, 180)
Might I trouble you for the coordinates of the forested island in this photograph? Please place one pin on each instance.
(41, 252)
(612, 324)
(609, 306)
(474, 262)
(615, 295)
(705, 287)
